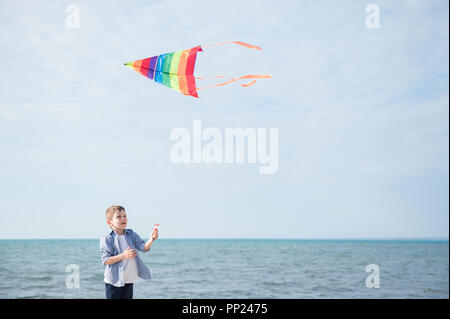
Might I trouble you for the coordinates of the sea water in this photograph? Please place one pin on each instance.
(233, 268)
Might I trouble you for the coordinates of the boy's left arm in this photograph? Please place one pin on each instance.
(142, 245)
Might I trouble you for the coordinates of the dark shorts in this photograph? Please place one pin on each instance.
(113, 292)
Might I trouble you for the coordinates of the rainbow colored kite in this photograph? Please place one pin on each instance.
(176, 69)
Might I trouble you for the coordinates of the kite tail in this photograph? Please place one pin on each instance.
(231, 80)
(248, 76)
(250, 46)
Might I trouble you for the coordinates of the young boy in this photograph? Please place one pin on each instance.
(118, 248)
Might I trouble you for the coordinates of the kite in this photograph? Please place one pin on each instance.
(176, 69)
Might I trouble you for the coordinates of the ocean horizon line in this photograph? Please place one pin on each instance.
(261, 238)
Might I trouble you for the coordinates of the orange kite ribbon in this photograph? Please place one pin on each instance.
(249, 76)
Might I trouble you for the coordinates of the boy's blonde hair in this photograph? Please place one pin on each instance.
(112, 210)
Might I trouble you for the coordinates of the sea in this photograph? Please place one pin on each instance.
(234, 268)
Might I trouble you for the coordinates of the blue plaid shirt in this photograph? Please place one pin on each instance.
(109, 246)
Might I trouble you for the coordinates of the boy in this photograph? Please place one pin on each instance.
(118, 248)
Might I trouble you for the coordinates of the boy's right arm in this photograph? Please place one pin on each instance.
(107, 255)
(129, 253)
(113, 259)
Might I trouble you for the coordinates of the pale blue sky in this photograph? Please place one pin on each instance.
(362, 116)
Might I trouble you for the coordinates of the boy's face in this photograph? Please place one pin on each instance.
(119, 220)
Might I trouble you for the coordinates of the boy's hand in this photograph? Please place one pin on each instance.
(154, 235)
(129, 253)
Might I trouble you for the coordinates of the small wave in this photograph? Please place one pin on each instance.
(433, 291)
(40, 287)
(29, 297)
(39, 278)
